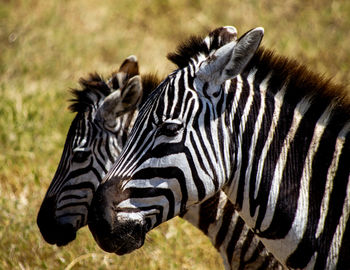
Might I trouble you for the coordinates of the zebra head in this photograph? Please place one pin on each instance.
(94, 140)
(178, 141)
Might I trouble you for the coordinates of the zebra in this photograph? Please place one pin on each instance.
(264, 129)
(238, 246)
(104, 112)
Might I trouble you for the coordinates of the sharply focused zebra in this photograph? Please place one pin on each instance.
(94, 141)
(270, 133)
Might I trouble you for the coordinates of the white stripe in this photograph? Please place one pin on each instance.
(329, 183)
(278, 100)
(263, 86)
(128, 151)
(286, 246)
(299, 112)
(215, 227)
(217, 160)
(199, 146)
(333, 255)
(238, 92)
(232, 192)
(175, 91)
(226, 137)
(301, 216)
(228, 236)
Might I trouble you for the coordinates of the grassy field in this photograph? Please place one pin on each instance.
(45, 46)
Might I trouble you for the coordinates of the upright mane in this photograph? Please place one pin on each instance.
(92, 87)
(95, 87)
(200, 44)
(299, 79)
(187, 50)
(150, 82)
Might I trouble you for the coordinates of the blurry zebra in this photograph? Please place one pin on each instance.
(104, 115)
(105, 112)
(264, 129)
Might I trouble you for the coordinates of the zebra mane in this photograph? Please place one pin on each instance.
(187, 50)
(150, 82)
(92, 87)
(300, 80)
(95, 87)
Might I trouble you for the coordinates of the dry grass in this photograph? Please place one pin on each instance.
(45, 46)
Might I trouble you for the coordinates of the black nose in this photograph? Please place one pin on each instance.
(110, 233)
(51, 230)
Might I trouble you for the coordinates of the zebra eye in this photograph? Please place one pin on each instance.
(170, 129)
(81, 156)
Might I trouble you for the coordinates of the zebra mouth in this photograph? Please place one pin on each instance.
(120, 238)
(131, 241)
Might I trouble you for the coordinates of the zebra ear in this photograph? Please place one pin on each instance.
(230, 60)
(128, 69)
(131, 93)
(120, 102)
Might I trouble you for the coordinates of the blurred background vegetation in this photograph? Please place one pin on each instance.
(46, 46)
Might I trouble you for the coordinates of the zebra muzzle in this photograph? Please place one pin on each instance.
(114, 231)
(53, 231)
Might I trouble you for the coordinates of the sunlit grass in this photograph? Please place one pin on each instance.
(45, 46)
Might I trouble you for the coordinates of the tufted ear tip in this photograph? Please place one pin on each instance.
(131, 58)
(128, 69)
(257, 32)
(130, 66)
(260, 29)
(231, 29)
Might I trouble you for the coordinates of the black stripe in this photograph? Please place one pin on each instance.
(197, 153)
(336, 203)
(170, 94)
(239, 111)
(212, 160)
(226, 221)
(207, 213)
(282, 129)
(262, 137)
(153, 192)
(80, 204)
(321, 163)
(108, 150)
(100, 144)
(285, 209)
(79, 186)
(344, 259)
(234, 238)
(246, 143)
(172, 173)
(248, 241)
(73, 196)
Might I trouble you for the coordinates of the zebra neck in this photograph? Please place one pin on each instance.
(287, 150)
